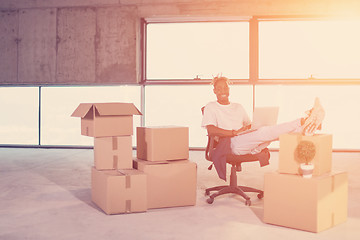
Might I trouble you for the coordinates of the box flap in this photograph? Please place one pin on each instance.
(107, 109)
(82, 110)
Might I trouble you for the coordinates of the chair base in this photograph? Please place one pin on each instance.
(238, 190)
(232, 188)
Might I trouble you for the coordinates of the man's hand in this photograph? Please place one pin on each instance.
(247, 127)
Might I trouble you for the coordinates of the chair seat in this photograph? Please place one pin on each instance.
(238, 159)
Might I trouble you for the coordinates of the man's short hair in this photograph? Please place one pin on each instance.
(217, 79)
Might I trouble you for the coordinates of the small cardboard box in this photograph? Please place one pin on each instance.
(113, 152)
(162, 143)
(169, 183)
(287, 153)
(122, 191)
(106, 119)
(313, 204)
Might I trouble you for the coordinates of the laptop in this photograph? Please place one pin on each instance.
(263, 116)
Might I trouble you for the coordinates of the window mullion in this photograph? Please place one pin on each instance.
(254, 51)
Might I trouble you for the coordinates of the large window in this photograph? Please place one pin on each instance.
(197, 50)
(19, 115)
(324, 49)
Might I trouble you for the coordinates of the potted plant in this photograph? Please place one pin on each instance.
(304, 154)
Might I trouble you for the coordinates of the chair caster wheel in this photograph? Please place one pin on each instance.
(207, 193)
(260, 195)
(248, 202)
(210, 200)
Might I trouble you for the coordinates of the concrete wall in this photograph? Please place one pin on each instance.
(71, 45)
(97, 41)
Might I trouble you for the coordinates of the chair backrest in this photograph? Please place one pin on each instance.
(211, 143)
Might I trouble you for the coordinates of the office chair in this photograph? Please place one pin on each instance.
(235, 161)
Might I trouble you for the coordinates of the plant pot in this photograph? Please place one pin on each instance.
(306, 170)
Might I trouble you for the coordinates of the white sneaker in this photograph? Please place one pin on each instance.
(313, 122)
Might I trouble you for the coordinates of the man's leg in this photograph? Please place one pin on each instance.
(254, 142)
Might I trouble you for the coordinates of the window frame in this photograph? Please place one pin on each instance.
(154, 20)
(253, 50)
(39, 143)
(310, 80)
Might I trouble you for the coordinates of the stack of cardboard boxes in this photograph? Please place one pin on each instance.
(310, 204)
(115, 186)
(162, 175)
(162, 154)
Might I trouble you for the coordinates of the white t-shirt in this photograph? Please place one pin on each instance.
(229, 117)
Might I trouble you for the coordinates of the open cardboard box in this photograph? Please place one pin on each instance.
(119, 191)
(310, 204)
(106, 119)
(169, 183)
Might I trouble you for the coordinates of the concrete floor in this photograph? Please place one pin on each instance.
(45, 194)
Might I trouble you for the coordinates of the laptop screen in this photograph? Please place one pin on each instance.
(264, 116)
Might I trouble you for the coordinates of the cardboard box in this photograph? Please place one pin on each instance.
(287, 153)
(122, 191)
(169, 183)
(113, 152)
(313, 204)
(106, 119)
(162, 143)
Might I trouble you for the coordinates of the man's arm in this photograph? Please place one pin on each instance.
(216, 131)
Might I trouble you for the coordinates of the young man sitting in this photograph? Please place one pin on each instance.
(227, 119)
